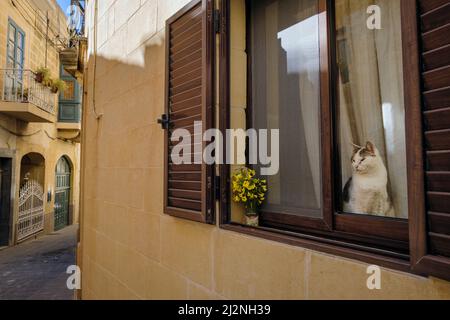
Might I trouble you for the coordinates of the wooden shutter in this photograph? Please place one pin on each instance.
(430, 232)
(189, 97)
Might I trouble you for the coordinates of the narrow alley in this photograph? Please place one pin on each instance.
(36, 270)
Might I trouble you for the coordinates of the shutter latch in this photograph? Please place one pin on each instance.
(216, 21)
(164, 121)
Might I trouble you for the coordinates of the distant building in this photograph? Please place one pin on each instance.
(39, 128)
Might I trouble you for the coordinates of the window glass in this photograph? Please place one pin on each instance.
(371, 111)
(12, 32)
(9, 63)
(15, 47)
(285, 77)
(69, 93)
(19, 57)
(19, 40)
(11, 49)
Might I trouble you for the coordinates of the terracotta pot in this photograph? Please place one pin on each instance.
(39, 77)
(252, 219)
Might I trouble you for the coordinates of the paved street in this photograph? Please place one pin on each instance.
(36, 270)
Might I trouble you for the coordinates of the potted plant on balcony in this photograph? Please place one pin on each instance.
(25, 95)
(58, 85)
(42, 75)
(250, 191)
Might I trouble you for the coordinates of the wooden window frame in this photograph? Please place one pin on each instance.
(20, 46)
(393, 243)
(422, 261)
(67, 103)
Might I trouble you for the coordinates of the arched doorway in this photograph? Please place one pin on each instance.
(62, 193)
(31, 196)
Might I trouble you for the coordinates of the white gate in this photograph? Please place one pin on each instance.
(31, 210)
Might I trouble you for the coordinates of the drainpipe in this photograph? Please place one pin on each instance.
(94, 75)
(46, 40)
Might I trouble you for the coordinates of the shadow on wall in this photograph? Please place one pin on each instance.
(122, 137)
(123, 84)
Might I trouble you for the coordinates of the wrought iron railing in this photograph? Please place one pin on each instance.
(20, 85)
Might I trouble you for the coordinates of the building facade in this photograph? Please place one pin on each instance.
(39, 144)
(351, 101)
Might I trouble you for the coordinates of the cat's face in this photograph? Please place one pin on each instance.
(365, 160)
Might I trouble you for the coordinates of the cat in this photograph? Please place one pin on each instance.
(366, 191)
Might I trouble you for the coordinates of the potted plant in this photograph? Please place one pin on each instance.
(42, 75)
(58, 85)
(250, 191)
(25, 95)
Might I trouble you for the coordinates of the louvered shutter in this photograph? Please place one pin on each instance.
(433, 246)
(189, 98)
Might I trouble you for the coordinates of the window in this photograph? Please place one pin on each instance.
(69, 99)
(15, 46)
(345, 99)
(371, 109)
(285, 94)
(15, 51)
(364, 165)
(69, 92)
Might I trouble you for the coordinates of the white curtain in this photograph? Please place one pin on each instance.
(371, 104)
(286, 96)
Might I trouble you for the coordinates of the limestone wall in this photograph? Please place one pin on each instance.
(129, 248)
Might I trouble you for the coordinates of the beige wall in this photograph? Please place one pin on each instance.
(37, 137)
(129, 248)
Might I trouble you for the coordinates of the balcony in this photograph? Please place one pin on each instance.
(68, 125)
(69, 131)
(74, 57)
(26, 99)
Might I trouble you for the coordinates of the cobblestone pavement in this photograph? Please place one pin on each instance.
(36, 270)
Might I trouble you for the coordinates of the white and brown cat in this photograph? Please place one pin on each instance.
(366, 191)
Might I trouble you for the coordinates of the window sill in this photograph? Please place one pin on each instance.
(338, 248)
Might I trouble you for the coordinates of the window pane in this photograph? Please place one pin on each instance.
(12, 31)
(286, 96)
(9, 63)
(19, 40)
(69, 93)
(19, 57)
(11, 49)
(371, 110)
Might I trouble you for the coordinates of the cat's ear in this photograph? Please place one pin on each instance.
(356, 148)
(370, 147)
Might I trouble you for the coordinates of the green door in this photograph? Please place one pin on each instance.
(62, 194)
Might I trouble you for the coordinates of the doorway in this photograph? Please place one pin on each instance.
(5, 200)
(62, 193)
